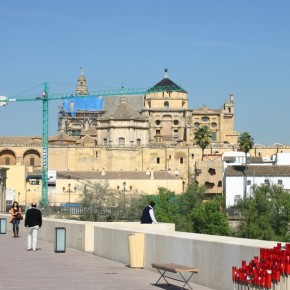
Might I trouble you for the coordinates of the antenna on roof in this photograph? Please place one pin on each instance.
(122, 99)
(166, 73)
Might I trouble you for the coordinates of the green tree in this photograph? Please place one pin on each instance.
(194, 195)
(208, 218)
(202, 137)
(100, 202)
(135, 204)
(246, 143)
(166, 205)
(266, 214)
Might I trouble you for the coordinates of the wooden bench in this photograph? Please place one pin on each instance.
(174, 268)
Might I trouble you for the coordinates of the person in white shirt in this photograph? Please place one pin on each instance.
(148, 214)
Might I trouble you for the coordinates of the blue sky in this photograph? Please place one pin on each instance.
(211, 47)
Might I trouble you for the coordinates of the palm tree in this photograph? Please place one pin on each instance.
(246, 143)
(202, 136)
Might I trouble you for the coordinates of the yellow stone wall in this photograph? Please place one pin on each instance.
(16, 181)
(179, 160)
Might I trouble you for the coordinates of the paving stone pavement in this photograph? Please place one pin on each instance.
(73, 270)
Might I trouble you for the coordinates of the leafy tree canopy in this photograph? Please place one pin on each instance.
(266, 214)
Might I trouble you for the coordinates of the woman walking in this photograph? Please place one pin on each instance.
(15, 212)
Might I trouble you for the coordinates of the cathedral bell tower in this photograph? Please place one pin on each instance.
(82, 88)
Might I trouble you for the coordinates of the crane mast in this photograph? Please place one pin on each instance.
(44, 170)
(45, 100)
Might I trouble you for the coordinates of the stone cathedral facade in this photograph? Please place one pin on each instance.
(144, 141)
(156, 117)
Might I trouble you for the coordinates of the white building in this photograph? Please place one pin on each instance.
(258, 173)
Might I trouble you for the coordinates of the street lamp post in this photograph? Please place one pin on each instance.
(124, 190)
(69, 185)
(69, 191)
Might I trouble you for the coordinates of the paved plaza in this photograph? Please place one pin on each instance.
(45, 269)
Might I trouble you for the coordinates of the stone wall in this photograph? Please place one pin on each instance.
(214, 256)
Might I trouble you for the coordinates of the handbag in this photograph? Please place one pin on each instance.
(19, 216)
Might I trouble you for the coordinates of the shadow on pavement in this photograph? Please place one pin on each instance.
(168, 286)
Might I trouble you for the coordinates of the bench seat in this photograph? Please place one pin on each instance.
(162, 268)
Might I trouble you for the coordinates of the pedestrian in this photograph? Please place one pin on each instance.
(33, 221)
(16, 217)
(148, 214)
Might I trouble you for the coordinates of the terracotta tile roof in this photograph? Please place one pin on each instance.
(122, 111)
(254, 159)
(34, 142)
(135, 102)
(110, 175)
(86, 139)
(15, 139)
(63, 137)
(92, 131)
(270, 170)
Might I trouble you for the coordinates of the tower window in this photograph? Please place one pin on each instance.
(175, 134)
(121, 141)
(158, 160)
(31, 162)
(213, 136)
(166, 104)
(181, 160)
(205, 119)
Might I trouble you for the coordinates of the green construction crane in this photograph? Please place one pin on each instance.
(46, 97)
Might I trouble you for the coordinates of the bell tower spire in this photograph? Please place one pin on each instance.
(82, 88)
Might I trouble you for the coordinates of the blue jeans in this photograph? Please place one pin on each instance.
(15, 224)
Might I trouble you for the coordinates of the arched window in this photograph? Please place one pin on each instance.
(138, 142)
(166, 104)
(105, 141)
(7, 157)
(31, 158)
(121, 141)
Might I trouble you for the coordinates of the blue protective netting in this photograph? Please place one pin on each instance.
(90, 103)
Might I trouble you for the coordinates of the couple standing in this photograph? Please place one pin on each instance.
(32, 222)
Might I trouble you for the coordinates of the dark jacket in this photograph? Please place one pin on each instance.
(146, 218)
(33, 218)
